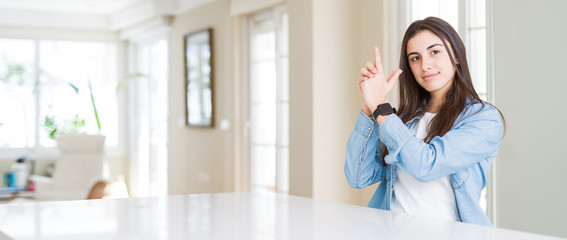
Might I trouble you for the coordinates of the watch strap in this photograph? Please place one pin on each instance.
(383, 109)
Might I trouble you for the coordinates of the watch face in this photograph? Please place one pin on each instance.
(385, 109)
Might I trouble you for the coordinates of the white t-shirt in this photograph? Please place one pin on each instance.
(432, 199)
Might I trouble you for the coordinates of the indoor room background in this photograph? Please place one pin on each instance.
(282, 88)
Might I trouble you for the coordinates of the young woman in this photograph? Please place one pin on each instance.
(432, 156)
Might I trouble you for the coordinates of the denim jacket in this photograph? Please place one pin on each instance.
(465, 152)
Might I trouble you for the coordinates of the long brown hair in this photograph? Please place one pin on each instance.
(413, 97)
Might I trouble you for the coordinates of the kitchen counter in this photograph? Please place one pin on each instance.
(228, 216)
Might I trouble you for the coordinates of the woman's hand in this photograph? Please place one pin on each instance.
(372, 85)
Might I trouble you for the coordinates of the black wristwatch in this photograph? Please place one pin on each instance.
(383, 109)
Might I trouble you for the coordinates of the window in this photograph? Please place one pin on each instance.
(268, 117)
(447, 10)
(148, 118)
(17, 61)
(43, 78)
(476, 46)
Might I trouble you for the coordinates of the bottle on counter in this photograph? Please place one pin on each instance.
(20, 170)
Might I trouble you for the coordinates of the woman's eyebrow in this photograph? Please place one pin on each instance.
(411, 53)
(434, 45)
(437, 44)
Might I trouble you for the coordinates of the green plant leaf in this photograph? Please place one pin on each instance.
(49, 121)
(52, 134)
(74, 87)
(15, 74)
(128, 80)
(94, 106)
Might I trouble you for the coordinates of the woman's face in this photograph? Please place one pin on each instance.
(430, 63)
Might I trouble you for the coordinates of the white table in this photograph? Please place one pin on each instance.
(228, 216)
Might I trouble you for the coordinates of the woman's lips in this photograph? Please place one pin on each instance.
(430, 76)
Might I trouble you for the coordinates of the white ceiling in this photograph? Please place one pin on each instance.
(105, 15)
(73, 6)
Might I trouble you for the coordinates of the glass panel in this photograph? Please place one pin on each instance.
(448, 10)
(17, 101)
(263, 121)
(264, 40)
(478, 59)
(283, 170)
(66, 65)
(421, 9)
(263, 85)
(284, 126)
(478, 13)
(264, 168)
(283, 35)
(284, 63)
(283, 115)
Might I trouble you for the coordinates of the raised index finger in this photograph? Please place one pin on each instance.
(378, 60)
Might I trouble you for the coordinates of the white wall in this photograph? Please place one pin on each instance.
(530, 83)
(300, 97)
(335, 102)
(200, 159)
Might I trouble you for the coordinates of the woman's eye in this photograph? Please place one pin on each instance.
(413, 59)
(435, 52)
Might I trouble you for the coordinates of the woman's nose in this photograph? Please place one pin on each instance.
(425, 64)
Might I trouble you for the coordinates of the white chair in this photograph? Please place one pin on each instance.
(79, 167)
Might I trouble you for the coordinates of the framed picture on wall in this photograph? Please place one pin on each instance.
(199, 78)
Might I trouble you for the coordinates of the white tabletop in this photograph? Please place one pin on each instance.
(228, 216)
